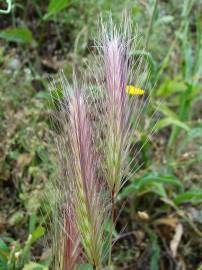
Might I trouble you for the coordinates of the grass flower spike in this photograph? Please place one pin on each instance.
(94, 143)
(78, 163)
(117, 75)
(88, 207)
(120, 104)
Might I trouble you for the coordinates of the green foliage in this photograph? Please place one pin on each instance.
(155, 256)
(191, 196)
(151, 182)
(14, 255)
(55, 6)
(84, 267)
(171, 121)
(34, 266)
(19, 35)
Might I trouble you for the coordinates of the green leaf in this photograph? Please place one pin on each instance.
(195, 133)
(154, 263)
(4, 255)
(55, 6)
(19, 35)
(43, 95)
(4, 252)
(159, 189)
(3, 265)
(164, 19)
(3, 246)
(170, 87)
(38, 233)
(171, 121)
(84, 266)
(192, 196)
(35, 266)
(165, 110)
(32, 223)
(151, 182)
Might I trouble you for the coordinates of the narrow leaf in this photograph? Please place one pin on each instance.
(171, 121)
(192, 196)
(35, 266)
(55, 6)
(151, 182)
(19, 35)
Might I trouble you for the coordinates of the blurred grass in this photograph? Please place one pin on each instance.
(37, 39)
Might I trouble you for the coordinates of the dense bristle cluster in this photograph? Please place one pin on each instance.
(80, 180)
(93, 123)
(119, 79)
(86, 197)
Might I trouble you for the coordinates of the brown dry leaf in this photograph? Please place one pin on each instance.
(169, 221)
(176, 239)
(143, 215)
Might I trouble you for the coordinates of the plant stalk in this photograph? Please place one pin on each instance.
(111, 228)
(151, 23)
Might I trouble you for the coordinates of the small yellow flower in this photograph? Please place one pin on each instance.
(132, 90)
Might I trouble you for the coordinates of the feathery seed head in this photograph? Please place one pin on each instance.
(82, 139)
(78, 157)
(117, 68)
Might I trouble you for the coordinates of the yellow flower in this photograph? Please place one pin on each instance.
(132, 90)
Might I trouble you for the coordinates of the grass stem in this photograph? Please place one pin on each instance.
(151, 23)
(111, 228)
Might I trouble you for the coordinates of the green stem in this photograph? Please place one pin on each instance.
(111, 229)
(151, 23)
(166, 59)
(183, 116)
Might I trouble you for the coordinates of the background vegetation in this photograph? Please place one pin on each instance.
(162, 213)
